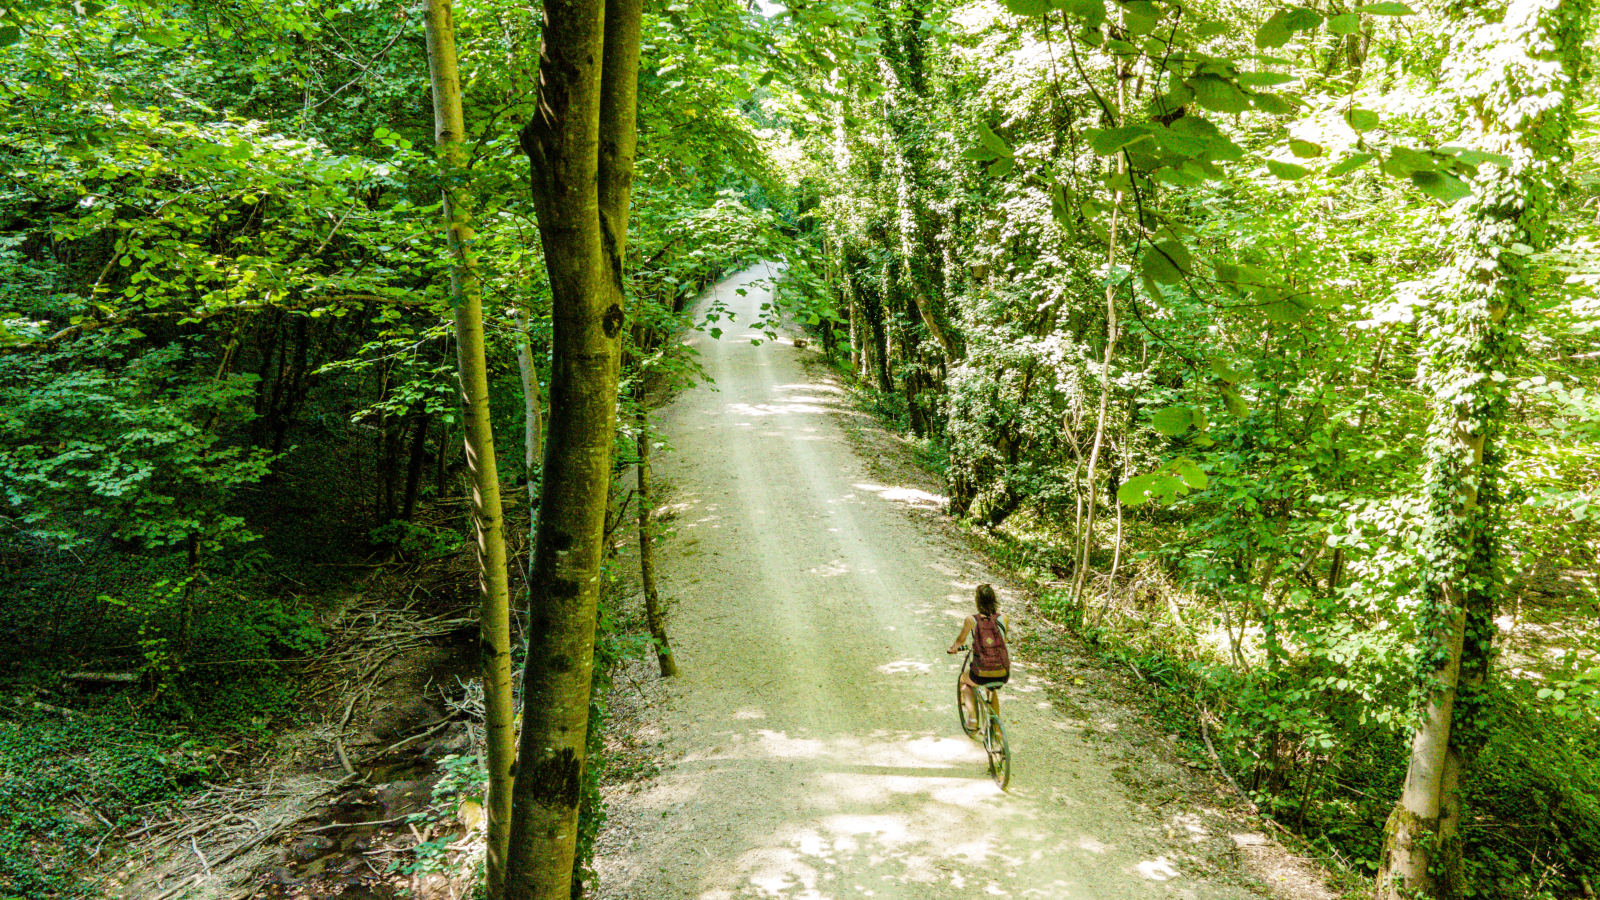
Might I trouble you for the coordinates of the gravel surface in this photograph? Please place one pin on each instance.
(810, 745)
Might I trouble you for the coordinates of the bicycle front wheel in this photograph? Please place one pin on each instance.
(967, 708)
(999, 753)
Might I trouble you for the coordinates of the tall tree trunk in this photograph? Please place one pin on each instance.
(1516, 74)
(419, 455)
(581, 145)
(647, 558)
(494, 620)
(1091, 488)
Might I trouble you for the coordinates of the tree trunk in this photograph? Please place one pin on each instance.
(647, 560)
(1515, 71)
(1086, 533)
(532, 420)
(419, 455)
(494, 623)
(580, 144)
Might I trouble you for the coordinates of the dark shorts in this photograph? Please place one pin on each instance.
(991, 683)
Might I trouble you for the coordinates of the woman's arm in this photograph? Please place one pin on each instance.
(966, 629)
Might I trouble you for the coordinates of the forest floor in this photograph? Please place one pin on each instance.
(810, 746)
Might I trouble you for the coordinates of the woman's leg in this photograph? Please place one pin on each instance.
(969, 697)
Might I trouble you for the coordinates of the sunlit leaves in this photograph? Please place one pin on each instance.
(1282, 25)
(1287, 171)
(1362, 119)
(1164, 485)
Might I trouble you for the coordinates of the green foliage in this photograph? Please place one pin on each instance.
(58, 776)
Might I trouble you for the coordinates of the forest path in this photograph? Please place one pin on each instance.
(813, 731)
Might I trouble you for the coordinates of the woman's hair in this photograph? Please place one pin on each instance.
(987, 601)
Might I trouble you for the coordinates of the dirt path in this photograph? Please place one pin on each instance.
(813, 732)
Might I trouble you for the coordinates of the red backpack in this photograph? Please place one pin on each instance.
(990, 659)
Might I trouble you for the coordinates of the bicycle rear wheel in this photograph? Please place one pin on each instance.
(967, 708)
(999, 753)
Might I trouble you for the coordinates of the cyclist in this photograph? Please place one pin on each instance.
(991, 662)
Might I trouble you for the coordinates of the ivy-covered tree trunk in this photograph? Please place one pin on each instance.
(494, 621)
(581, 146)
(1515, 71)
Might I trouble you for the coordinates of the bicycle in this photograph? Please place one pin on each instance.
(987, 729)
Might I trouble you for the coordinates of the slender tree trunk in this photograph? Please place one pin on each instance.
(532, 421)
(1086, 533)
(419, 455)
(647, 559)
(581, 145)
(494, 622)
(1515, 70)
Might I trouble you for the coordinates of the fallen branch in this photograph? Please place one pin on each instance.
(338, 739)
(375, 823)
(104, 677)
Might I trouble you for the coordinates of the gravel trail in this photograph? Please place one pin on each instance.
(813, 738)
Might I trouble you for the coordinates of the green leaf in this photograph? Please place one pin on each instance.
(1477, 157)
(1387, 8)
(1159, 269)
(1277, 30)
(1177, 254)
(1191, 473)
(1264, 79)
(1217, 94)
(1137, 24)
(1350, 164)
(1027, 7)
(992, 141)
(1274, 104)
(1179, 177)
(1273, 32)
(1403, 161)
(1110, 140)
(1305, 149)
(160, 35)
(1362, 119)
(980, 153)
(1173, 420)
(1160, 487)
(1002, 167)
(1224, 370)
(1091, 12)
(1283, 312)
(1287, 171)
(9, 34)
(1445, 188)
(1349, 23)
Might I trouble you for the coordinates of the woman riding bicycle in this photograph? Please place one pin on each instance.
(991, 663)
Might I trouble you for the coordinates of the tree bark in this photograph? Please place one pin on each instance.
(494, 622)
(581, 145)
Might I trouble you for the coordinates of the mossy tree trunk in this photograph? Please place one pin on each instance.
(581, 146)
(1515, 72)
(494, 617)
